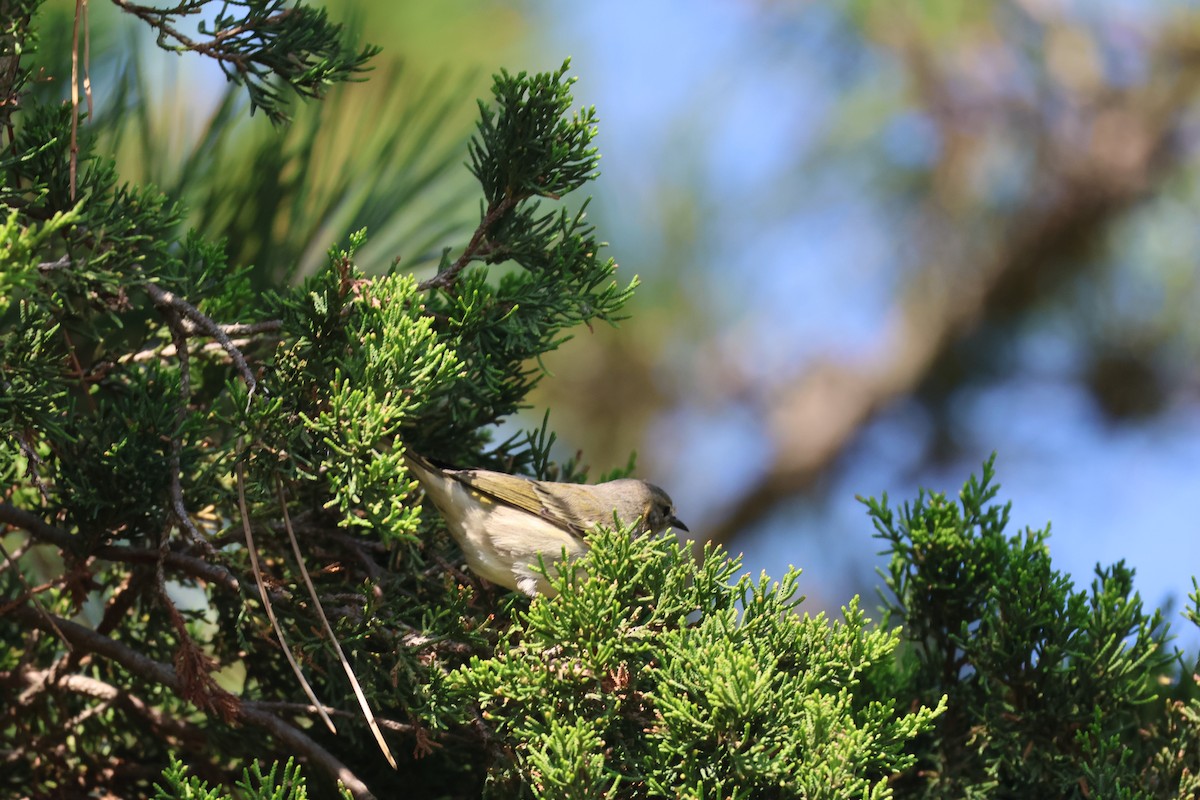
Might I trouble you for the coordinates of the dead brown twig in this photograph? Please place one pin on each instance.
(149, 670)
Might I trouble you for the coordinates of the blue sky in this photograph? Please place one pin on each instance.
(714, 98)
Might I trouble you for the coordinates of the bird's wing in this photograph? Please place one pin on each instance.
(520, 493)
(576, 505)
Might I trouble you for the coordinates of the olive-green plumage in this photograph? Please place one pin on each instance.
(503, 523)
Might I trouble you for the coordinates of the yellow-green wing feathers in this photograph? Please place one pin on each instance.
(571, 504)
(572, 507)
(562, 504)
(511, 490)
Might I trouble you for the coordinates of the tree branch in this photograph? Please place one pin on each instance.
(202, 321)
(811, 420)
(149, 670)
(189, 565)
(215, 48)
(38, 681)
(179, 337)
(447, 278)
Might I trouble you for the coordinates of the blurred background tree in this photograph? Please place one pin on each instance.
(877, 241)
(882, 240)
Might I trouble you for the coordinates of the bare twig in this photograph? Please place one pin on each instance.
(157, 18)
(193, 666)
(150, 670)
(122, 600)
(163, 351)
(262, 589)
(278, 706)
(179, 337)
(239, 328)
(312, 591)
(190, 565)
(178, 729)
(247, 335)
(16, 555)
(62, 262)
(39, 682)
(167, 299)
(446, 279)
(35, 461)
(63, 578)
(32, 595)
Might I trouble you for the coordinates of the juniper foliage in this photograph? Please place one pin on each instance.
(1051, 691)
(180, 446)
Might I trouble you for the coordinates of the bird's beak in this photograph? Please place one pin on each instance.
(677, 525)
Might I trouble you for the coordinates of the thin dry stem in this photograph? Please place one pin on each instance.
(312, 591)
(262, 590)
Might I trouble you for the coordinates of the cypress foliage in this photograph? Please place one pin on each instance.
(210, 533)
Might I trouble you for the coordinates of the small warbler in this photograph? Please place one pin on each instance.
(503, 523)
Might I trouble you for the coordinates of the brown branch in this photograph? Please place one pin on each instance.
(166, 299)
(180, 730)
(241, 328)
(69, 579)
(368, 714)
(158, 18)
(179, 337)
(35, 461)
(117, 608)
(189, 565)
(812, 419)
(446, 279)
(163, 351)
(62, 262)
(10, 560)
(240, 474)
(148, 669)
(279, 706)
(193, 665)
(37, 682)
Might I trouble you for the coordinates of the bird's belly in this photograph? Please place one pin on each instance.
(503, 544)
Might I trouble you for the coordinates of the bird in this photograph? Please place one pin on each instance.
(503, 523)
